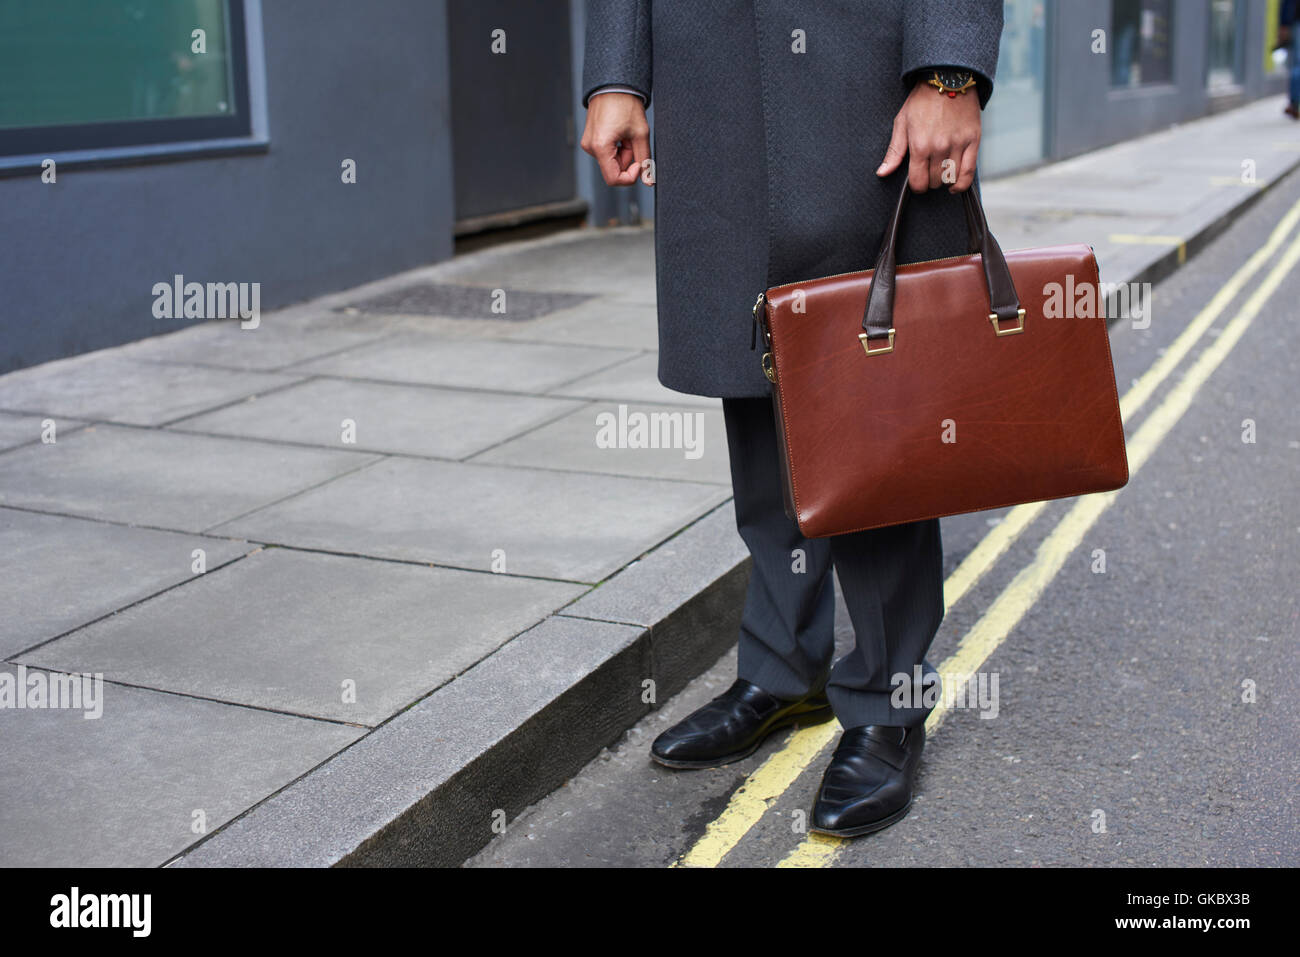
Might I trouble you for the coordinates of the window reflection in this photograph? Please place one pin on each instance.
(1013, 124)
(67, 62)
(1139, 42)
(1225, 51)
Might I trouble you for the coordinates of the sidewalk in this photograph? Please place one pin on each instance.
(362, 583)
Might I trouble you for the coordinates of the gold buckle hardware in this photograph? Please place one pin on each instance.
(767, 367)
(866, 344)
(993, 318)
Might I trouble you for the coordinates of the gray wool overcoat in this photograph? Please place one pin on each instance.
(771, 117)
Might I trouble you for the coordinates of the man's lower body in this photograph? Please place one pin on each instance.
(892, 581)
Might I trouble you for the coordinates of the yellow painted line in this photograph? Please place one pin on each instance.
(1143, 239)
(1027, 587)
(739, 816)
(1019, 596)
(815, 851)
(1150, 380)
(986, 554)
(1235, 181)
(996, 543)
(772, 779)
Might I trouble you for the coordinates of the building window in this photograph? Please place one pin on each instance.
(1225, 60)
(90, 74)
(1013, 123)
(1140, 42)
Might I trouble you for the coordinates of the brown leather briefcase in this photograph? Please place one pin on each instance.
(910, 392)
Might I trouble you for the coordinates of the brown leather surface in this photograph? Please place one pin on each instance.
(1036, 413)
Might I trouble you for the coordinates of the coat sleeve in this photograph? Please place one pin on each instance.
(618, 47)
(959, 33)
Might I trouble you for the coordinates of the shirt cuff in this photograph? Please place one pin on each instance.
(617, 89)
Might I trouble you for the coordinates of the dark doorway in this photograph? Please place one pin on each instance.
(512, 113)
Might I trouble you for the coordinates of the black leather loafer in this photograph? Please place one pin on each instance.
(868, 784)
(733, 725)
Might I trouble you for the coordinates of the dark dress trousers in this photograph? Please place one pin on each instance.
(771, 117)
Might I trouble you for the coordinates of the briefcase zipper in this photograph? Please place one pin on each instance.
(766, 361)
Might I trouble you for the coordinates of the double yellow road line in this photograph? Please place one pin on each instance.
(774, 777)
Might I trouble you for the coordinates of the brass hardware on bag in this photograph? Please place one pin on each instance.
(993, 318)
(767, 367)
(866, 344)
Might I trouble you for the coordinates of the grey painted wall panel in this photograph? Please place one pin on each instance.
(78, 259)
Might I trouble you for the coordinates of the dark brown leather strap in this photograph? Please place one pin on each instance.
(878, 317)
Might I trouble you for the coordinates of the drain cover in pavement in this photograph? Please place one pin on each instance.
(467, 302)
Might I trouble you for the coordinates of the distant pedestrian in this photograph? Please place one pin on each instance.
(1288, 37)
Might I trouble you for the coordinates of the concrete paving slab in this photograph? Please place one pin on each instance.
(403, 419)
(693, 442)
(161, 479)
(109, 387)
(272, 345)
(650, 589)
(297, 631)
(60, 572)
(16, 430)
(566, 525)
(445, 327)
(601, 322)
(467, 363)
(689, 592)
(426, 788)
(1174, 182)
(127, 789)
(636, 380)
(543, 704)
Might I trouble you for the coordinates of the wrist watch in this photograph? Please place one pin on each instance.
(951, 81)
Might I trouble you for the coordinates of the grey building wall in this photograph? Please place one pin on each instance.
(1086, 113)
(343, 80)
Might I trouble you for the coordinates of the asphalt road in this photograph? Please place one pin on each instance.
(1121, 693)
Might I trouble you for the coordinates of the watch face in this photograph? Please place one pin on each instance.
(953, 79)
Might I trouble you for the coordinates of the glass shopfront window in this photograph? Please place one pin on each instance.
(82, 74)
(1140, 36)
(1013, 123)
(1224, 64)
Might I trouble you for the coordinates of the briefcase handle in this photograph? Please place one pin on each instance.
(1004, 302)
